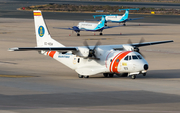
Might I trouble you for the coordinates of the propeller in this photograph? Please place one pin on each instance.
(136, 49)
(92, 51)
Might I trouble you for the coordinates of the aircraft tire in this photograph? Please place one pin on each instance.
(144, 74)
(86, 76)
(78, 34)
(105, 75)
(111, 75)
(80, 76)
(100, 33)
(133, 76)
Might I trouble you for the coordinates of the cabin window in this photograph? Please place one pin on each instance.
(78, 60)
(111, 60)
(129, 57)
(126, 58)
(134, 57)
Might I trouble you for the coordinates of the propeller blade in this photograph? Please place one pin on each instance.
(129, 42)
(141, 54)
(86, 44)
(97, 44)
(142, 40)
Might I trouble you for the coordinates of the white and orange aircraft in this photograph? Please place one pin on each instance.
(91, 60)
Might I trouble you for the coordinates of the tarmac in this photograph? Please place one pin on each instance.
(30, 82)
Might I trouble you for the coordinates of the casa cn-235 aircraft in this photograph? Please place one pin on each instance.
(93, 27)
(91, 60)
(118, 18)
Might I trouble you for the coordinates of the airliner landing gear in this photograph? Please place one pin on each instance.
(108, 75)
(133, 76)
(80, 76)
(86, 76)
(100, 33)
(124, 24)
(144, 74)
(111, 75)
(78, 34)
(105, 74)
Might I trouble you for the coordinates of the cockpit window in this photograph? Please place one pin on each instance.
(139, 57)
(129, 57)
(134, 57)
(126, 58)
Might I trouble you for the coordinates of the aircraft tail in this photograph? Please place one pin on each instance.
(126, 14)
(102, 22)
(43, 37)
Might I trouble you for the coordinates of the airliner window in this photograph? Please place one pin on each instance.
(139, 57)
(129, 57)
(117, 60)
(126, 58)
(111, 60)
(134, 57)
(78, 60)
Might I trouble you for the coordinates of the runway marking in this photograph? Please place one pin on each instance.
(15, 76)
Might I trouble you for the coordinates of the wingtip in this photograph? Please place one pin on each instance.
(13, 49)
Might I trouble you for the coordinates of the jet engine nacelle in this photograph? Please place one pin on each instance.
(82, 52)
(128, 47)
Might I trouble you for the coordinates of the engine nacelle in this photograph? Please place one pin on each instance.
(128, 47)
(82, 52)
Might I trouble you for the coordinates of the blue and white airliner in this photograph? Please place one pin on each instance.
(119, 18)
(93, 27)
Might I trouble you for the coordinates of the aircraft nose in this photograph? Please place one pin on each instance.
(145, 67)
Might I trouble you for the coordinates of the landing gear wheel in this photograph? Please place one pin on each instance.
(100, 34)
(111, 75)
(86, 76)
(124, 24)
(105, 74)
(144, 74)
(80, 76)
(78, 34)
(133, 76)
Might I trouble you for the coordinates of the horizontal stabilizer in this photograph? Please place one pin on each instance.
(129, 19)
(60, 49)
(103, 15)
(129, 9)
(63, 28)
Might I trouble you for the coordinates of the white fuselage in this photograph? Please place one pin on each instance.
(113, 18)
(87, 26)
(110, 62)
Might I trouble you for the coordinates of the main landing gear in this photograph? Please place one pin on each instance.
(81, 76)
(108, 75)
(100, 33)
(78, 34)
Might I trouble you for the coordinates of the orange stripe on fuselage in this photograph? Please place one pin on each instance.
(37, 13)
(113, 61)
(51, 54)
(120, 57)
(48, 53)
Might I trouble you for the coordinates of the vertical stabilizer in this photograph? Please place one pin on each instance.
(43, 37)
(102, 22)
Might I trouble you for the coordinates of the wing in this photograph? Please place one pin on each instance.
(63, 28)
(107, 27)
(60, 49)
(151, 43)
(129, 19)
(120, 47)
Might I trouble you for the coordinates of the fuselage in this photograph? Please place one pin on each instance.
(110, 62)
